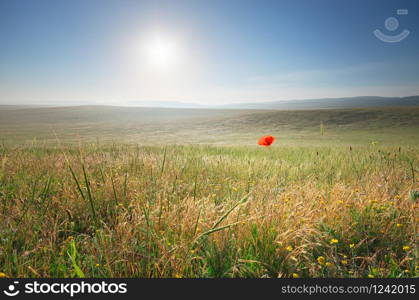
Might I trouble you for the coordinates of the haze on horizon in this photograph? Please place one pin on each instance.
(202, 52)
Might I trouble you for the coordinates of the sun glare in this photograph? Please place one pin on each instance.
(161, 52)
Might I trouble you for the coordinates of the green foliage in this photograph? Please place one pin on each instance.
(72, 254)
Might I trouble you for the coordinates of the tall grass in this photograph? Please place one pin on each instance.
(203, 211)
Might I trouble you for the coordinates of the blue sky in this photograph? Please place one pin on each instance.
(208, 52)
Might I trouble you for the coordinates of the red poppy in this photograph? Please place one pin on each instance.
(266, 140)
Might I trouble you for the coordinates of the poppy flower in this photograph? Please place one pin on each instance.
(266, 140)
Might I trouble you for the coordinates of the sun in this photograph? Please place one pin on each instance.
(161, 52)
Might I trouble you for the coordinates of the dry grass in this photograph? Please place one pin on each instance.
(201, 211)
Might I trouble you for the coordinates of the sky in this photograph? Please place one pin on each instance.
(205, 52)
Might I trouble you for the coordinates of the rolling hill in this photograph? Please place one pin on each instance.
(208, 126)
(330, 103)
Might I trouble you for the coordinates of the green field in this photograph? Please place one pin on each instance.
(143, 192)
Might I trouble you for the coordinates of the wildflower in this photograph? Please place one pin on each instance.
(334, 241)
(351, 272)
(344, 262)
(373, 201)
(406, 248)
(177, 275)
(340, 202)
(399, 225)
(407, 271)
(289, 248)
(192, 251)
(398, 197)
(328, 264)
(2, 275)
(266, 141)
(321, 260)
(234, 189)
(351, 245)
(371, 276)
(295, 275)
(169, 243)
(97, 265)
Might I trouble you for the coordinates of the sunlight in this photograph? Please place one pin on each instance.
(161, 52)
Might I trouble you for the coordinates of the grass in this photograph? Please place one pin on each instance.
(205, 211)
(337, 202)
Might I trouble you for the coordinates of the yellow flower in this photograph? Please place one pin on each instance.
(334, 241)
(289, 248)
(340, 202)
(406, 248)
(407, 271)
(328, 264)
(371, 276)
(344, 262)
(398, 197)
(373, 201)
(2, 275)
(399, 225)
(97, 265)
(351, 272)
(295, 275)
(177, 275)
(192, 251)
(351, 245)
(321, 260)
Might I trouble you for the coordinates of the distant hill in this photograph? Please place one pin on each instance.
(332, 103)
(321, 103)
(146, 125)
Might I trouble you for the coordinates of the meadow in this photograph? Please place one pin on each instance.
(88, 192)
